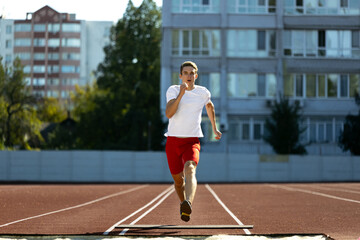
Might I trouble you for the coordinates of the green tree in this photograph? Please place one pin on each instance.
(283, 129)
(349, 139)
(125, 114)
(18, 119)
(50, 110)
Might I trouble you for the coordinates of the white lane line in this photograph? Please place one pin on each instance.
(76, 206)
(334, 189)
(148, 211)
(226, 208)
(137, 211)
(315, 193)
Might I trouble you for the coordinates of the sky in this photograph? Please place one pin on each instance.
(90, 10)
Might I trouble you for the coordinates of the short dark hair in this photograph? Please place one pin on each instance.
(188, 64)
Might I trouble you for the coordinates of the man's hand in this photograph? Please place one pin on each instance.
(172, 105)
(217, 134)
(183, 87)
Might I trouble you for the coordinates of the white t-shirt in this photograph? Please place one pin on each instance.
(186, 121)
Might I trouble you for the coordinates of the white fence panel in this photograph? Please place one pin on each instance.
(4, 165)
(243, 167)
(56, 167)
(25, 166)
(125, 166)
(118, 166)
(305, 168)
(212, 167)
(337, 169)
(87, 166)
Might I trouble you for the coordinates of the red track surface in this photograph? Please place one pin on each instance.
(329, 208)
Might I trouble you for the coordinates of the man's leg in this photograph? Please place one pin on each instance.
(179, 184)
(191, 182)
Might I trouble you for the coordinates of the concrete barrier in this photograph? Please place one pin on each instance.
(125, 166)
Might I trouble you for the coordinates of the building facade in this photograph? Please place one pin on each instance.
(57, 50)
(249, 53)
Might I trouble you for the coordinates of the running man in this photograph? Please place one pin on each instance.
(184, 107)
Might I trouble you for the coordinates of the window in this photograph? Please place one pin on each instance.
(54, 42)
(65, 94)
(195, 6)
(28, 81)
(23, 55)
(23, 27)
(289, 85)
(54, 94)
(321, 7)
(38, 94)
(54, 28)
(39, 82)
(22, 42)
(8, 29)
(196, 43)
(321, 85)
(329, 43)
(39, 27)
(299, 85)
(355, 43)
(8, 58)
(354, 84)
(71, 27)
(39, 69)
(39, 56)
(39, 42)
(245, 129)
(71, 42)
(8, 44)
(344, 90)
(310, 85)
(211, 81)
(251, 6)
(71, 56)
(53, 81)
(53, 69)
(251, 43)
(70, 69)
(321, 42)
(261, 86)
(323, 130)
(258, 129)
(251, 85)
(53, 56)
(332, 83)
(261, 40)
(69, 81)
(27, 69)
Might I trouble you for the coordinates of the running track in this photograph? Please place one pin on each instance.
(328, 208)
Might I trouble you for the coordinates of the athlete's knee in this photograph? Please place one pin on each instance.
(178, 180)
(190, 168)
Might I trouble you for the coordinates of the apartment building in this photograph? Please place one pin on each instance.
(250, 52)
(57, 50)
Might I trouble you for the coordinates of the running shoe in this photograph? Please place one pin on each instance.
(185, 210)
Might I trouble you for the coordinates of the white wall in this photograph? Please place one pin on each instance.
(123, 166)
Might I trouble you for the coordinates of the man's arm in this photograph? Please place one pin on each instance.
(210, 110)
(173, 104)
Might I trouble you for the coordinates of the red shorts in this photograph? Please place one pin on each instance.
(181, 150)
